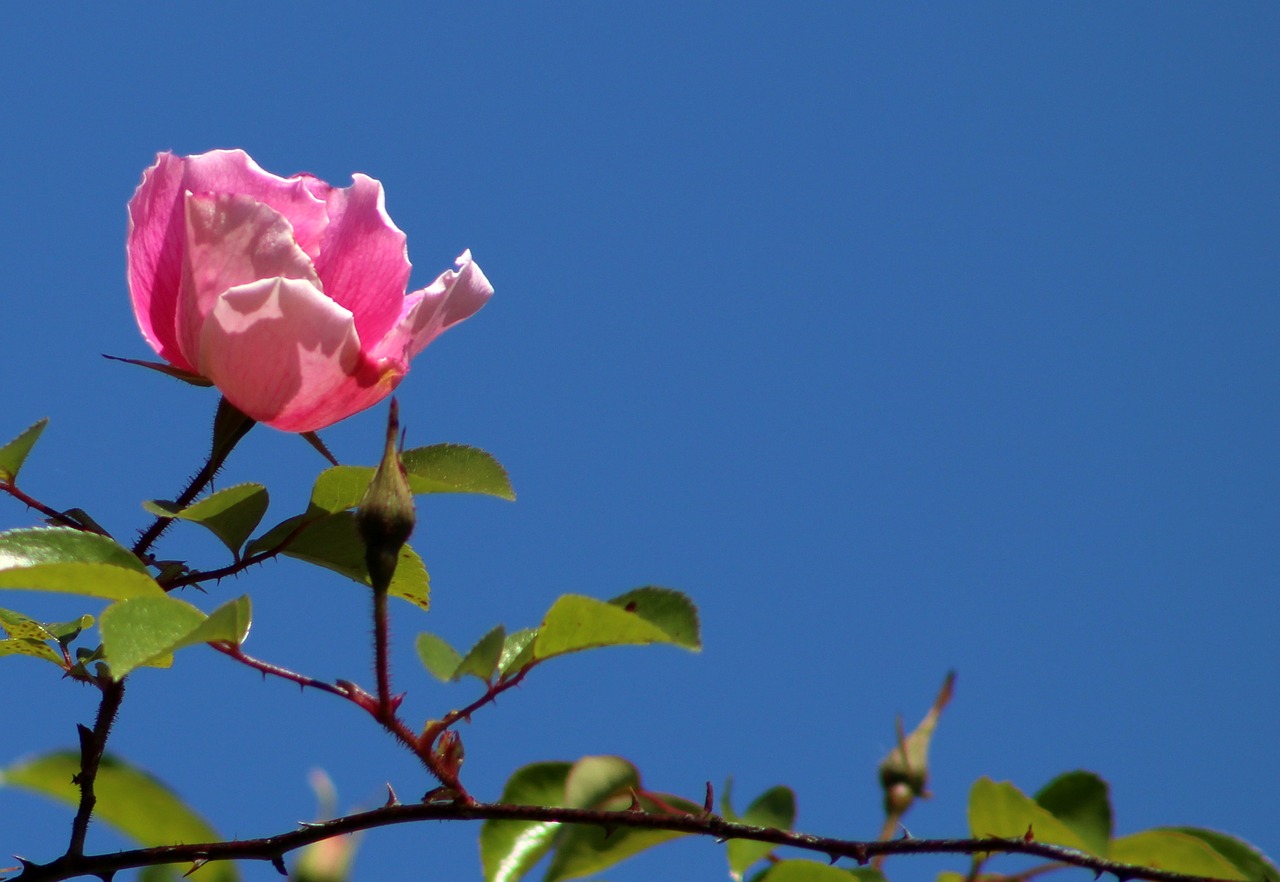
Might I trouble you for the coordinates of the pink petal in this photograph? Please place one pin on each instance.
(428, 313)
(157, 230)
(362, 260)
(288, 356)
(231, 240)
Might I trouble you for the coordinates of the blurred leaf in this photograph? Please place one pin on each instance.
(455, 468)
(137, 632)
(904, 772)
(1081, 801)
(334, 543)
(439, 658)
(510, 849)
(642, 616)
(812, 871)
(482, 659)
(1251, 862)
(775, 808)
(1175, 851)
(231, 514)
(129, 799)
(328, 860)
(13, 454)
(517, 651)
(1004, 811)
(606, 783)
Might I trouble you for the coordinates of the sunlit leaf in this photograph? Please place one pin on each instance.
(1176, 851)
(1002, 810)
(334, 543)
(130, 800)
(1082, 801)
(775, 808)
(90, 579)
(439, 658)
(510, 849)
(1251, 862)
(646, 615)
(606, 783)
(482, 659)
(13, 454)
(36, 546)
(137, 632)
(455, 468)
(231, 514)
(517, 651)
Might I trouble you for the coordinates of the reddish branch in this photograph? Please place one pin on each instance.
(272, 849)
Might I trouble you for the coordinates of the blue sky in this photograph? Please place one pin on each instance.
(903, 337)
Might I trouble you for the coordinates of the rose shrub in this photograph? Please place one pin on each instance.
(288, 294)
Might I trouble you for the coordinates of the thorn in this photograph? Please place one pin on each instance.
(278, 863)
(832, 857)
(397, 700)
(1029, 836)
(635, 801)
(906, 834)
(860, 855)
(311, 825)
(608, 830)
(708, 803)
(107, 876)
(392, 799)
(195, 865)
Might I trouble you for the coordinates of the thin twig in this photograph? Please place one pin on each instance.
(273, 848)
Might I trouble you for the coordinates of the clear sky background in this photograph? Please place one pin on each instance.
(903, 337)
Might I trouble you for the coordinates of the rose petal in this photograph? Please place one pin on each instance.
(362, 260)
(157, 230)
(231, 240)
(288, 356)
(451, 298)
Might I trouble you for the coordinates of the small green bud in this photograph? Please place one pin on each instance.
(386, 515)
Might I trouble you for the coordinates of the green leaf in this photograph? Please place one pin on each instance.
(517, 651)
(1082, 801)
(13, 454)
(1174, 851)
(1004, 811)
(605, 783)
(231, 514)
(510, 849)
(129, 799)
(167, 369)
(334, 543)
(70, 561)
(37, 546)
(455, 468)
(439, 658)
(146, 629)
(775, 808)
(482, 659)
(440, 468)
(1247, 859)
(796, 870)
(646, 615)
(32, 638)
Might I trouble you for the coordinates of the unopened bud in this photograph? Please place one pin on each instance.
(386, 515)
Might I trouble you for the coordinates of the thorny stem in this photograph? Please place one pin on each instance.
(381, 645)
(274, 848)
(52, 514)
(93, 742)
(229, 426)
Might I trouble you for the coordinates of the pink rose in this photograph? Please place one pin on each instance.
(287, 293)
